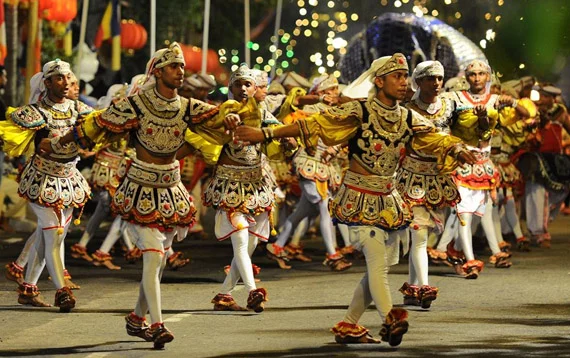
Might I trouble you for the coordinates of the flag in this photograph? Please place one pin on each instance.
(111, 29)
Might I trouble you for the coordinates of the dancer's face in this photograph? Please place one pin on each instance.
(58, 86)
(477, 81)
(394, 85)
(242, 89)
(430, 85)
(171, 75)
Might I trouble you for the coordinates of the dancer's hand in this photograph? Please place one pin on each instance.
(45, 148)
(249, 135)
(466, 157)
(481, 112)
(231, 122)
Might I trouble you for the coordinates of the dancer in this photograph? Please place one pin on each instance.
(378, 131)
(150, 197)
(242, 197)
(423, 186)
(50, 180)
(477, 118)
(318, 178)
(506, 140)
(545, 169)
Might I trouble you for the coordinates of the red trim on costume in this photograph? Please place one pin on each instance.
(262, 238)
(153, 250)
(52, 227)
(483, 102)
(228, 235)
(156, 325)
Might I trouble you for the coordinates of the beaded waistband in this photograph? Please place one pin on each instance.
(420, 166)
(109, 159)
(154, 175)
(52, 167)
(239, 173)
(374, 184)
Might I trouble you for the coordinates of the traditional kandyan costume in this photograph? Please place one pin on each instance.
(476, 182)
(52, 185)
(369, 203)
(318, 178)
(426, 189)
(243, 198)
(104, 181)
(282, 106)
(151, 197)
(504, 143)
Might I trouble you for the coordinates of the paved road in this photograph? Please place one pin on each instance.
(521, 311)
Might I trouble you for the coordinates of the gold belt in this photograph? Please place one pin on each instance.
(52, 167)
(239, 173)
(154, 175)
(418, 166)
(375, 184)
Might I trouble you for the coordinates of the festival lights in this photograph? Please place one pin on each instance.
(332, 18)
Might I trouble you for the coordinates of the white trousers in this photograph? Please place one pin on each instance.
(246, 233)
(48, 244)
(538, 201)
(380, 248)
(153, 243)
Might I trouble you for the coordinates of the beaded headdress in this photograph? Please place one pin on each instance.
(261, 78)
(166, 56)
(242, 73)
(51, 68)
(56, 67)
(477, 65)
(394, 63)
(426, 69)
(364, 87)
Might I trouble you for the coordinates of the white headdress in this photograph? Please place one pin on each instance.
(426, 69)
(37, 86)
(261, 78)
(242, 73)
(162, 58)
(477, 65)
(364, 87)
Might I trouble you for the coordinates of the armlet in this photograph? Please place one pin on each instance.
(28, 117)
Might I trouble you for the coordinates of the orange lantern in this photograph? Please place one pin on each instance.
(193, 58)
(133, 35)
(144, 35)
(44, 5)
(60, 10)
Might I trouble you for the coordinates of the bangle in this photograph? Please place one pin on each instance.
(267, 133)
(322, 98)
(515, 103)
